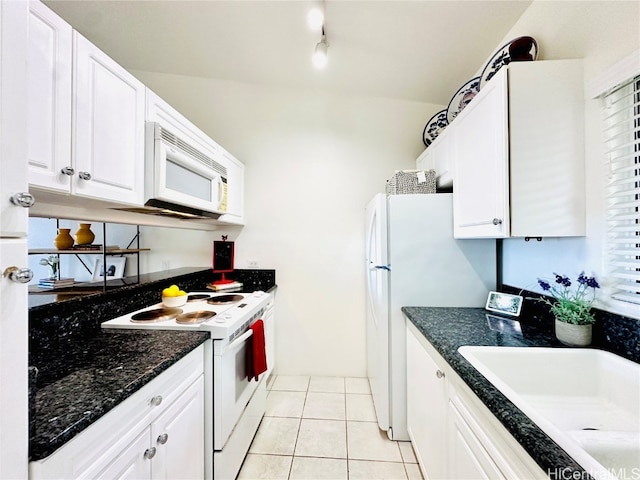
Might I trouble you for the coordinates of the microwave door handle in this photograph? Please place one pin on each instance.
(239, 341)
(220, 190)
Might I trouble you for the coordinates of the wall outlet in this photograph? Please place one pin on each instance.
(253, 264)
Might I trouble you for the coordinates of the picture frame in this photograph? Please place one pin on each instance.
(115, 268)
(504, 303)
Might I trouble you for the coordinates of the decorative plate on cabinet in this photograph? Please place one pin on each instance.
(462, 98)
(521, 49)
(434, 126)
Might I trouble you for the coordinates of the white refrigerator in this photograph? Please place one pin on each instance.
(413, 260)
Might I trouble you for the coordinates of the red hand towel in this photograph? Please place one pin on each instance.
(256, 355)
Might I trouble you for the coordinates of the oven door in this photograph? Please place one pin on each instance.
(232, 390)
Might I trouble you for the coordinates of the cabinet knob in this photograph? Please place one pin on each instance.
(149, 453)
(155, 401)
(439, 374)
(162, 439)
(23, 199)
(19, 275)
(84, 175)
(67, 171)
(497, 221)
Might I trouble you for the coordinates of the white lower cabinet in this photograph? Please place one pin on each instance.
(426, 402)
(157, 433)
(454, 435)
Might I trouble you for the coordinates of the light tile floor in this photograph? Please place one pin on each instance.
(324, 428)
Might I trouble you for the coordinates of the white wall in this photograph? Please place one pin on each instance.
(313, 161)
(602, 33)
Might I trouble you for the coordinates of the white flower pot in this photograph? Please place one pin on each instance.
(573, 335)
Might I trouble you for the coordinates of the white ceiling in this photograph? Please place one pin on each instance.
(414, 50)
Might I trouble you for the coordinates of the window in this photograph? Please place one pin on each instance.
(622, 136)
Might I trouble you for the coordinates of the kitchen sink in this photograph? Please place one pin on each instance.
(586, 400)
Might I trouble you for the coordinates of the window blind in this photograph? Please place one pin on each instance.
(622, 137)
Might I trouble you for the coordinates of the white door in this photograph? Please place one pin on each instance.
(426, 409)
(13, 244)
(108, 133)
(132, 463)
(377, 307)
(232, 388)
(49, 99)
(480, 150)
(178, 437)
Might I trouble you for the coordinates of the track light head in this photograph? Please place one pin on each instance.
(320, 58)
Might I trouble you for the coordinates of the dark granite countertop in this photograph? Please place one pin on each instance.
(94, 376)
(85, 371)
(447, 329)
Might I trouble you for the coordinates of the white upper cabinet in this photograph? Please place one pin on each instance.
(158, 110)
(518, 154)
(481, 164)
(13, 120)
(438, 158)
(49, 103)
(108, 127)
(85, 115)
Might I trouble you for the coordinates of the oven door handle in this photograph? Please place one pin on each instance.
(240, 340)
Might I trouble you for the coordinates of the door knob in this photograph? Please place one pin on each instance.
(19, 275)
(84, 175)
(162, 439)
(23, 199)
(67, 171)
(497, 221)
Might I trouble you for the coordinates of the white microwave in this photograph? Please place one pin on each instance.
(180, 178)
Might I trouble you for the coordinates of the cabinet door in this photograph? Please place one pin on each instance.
(481, 164)
(131, 463)
(426, 409)
(49, 98)
(178, 436)
(13, 251)
(108, 131)
(467, 458)
(13, 140)
(13, 362)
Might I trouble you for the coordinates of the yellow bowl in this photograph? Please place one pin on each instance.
(173, 302)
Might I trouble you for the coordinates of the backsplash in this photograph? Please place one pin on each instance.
(611, 332)
(56, 327)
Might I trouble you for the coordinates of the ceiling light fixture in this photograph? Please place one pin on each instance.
(319, 57)
(315, 17)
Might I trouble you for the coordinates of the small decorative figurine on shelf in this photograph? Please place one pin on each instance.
(53, 262)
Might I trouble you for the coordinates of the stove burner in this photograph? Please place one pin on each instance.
(156, 315)
(222, 299)
(196, 297)
(195, 317)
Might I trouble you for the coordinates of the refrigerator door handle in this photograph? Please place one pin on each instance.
(380, 267)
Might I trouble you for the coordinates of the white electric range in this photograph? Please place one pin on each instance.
(234, 403)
